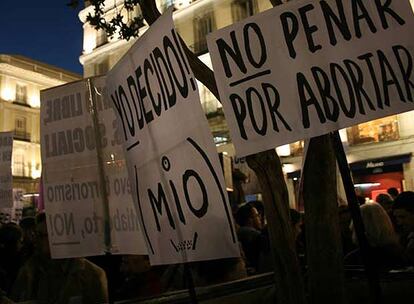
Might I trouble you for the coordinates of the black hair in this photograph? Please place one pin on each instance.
(243, 214)
(392, 191)
(10, 234)
(28, 223)
(405, 200)
(41, 218)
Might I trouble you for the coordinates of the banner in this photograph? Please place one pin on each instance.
(72, 193)
(307, 68)
(6, 178)
(177, 181)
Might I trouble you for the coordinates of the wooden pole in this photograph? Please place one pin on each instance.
(289, 288)
(101, 170)
(326, 279)
(372, 273)
(190, 282)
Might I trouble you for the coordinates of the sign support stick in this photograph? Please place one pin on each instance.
(94, 113)
(372, 274)
(190, 281)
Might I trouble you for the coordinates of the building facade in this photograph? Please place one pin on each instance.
(379, 151)
(21, 80)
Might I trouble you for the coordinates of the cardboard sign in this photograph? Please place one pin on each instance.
(6, 178)
(307, 68)
(74, 199)
(177, 180)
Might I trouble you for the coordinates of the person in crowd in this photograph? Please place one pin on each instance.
(250, 225)
(139, 279)
(385, 250)
(10, 255)
(260, 208)
(385, 201)
(62, 281)
(28, 226)
(345, 220)
(237, 197)
(265, 262)
(219, 271)
(393, 192)
(403, 211)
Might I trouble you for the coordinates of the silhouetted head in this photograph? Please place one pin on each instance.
(403, 211)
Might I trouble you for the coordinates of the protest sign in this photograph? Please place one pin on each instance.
(74, 200)
(307, 68)
(176, 177)
(6, 179)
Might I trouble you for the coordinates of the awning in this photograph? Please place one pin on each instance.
(372, 166)
(381, 162)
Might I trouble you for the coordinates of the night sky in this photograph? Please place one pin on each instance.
(44, 30)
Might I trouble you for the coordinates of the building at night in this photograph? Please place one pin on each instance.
(379, 151)
(21, 80)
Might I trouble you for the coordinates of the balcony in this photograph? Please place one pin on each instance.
(21, 135)
(199, 48)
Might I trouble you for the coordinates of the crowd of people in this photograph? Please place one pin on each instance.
(27, 271)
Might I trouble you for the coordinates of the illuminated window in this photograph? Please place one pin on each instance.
(101, 67)
(384, 129)
(101, 38)
(20, 129)
(21, 93)
(209, 103)
(241, 9)
(18, 164)
(203, 25)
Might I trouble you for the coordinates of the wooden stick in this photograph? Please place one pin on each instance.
(372, 273)
(104, 194)
(190, 281)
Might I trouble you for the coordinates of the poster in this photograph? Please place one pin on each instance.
(6, 178)
(175, 172)
(72, 193)
(307, 68)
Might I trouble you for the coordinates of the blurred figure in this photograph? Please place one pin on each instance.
(393, 192)
(237, 197)
(385, 201)
(139, 278)
(11, 238)
(60, 281)
(265, 262)
(219, 271)
(295, 222)
(386, 251)
(403, 211)
(28, 226)
(345, 220)
(260, 208)
(250, 223)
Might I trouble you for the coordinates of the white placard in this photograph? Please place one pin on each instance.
(306, 68)
(6, 178)
(178, 183)
(71, 184)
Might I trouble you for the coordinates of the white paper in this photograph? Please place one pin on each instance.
(73, 198)
(177, 180)
(260, 89)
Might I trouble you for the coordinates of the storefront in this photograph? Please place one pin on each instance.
(374, 176)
